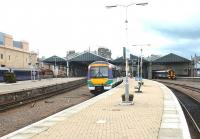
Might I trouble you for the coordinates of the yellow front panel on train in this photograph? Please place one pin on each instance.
(99, 65)
(99, 81)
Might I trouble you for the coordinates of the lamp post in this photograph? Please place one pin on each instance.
(126, 24)
(38, 64)
(139, 69)
(30, 63)
(67, 59)
(55, 70)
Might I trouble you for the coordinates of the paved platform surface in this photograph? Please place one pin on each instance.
(108, 119)
(154, 114)
(20, 85)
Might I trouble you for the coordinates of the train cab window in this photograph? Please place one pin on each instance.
(96, 72)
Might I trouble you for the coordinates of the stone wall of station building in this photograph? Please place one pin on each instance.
(13, 57)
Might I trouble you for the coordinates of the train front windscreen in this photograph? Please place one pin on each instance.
(99, 72)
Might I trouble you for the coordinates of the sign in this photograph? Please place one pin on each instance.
(124, 52)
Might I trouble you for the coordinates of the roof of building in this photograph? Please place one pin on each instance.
(84, 57)
(171, 58)
(152, 57)
(119, 60)
(55, 60)
(133, 58)
(87, 57)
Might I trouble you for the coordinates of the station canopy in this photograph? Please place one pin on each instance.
(86, 58)
(171, 58)
(55, 59)
(119, 60)
(132, 59)
(89, 57)
(81, 58)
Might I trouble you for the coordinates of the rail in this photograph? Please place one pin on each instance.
(71, 86)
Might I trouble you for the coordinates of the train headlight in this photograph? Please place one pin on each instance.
(90, 83)
(107, 85)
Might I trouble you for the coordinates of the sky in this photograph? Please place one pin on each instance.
(54, 27)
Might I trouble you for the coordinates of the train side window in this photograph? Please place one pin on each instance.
(117, 73)
(114, 73)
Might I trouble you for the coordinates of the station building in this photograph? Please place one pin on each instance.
(15, 54)
(133, 65)
(180, 65)
(105, 52)
(76, 65)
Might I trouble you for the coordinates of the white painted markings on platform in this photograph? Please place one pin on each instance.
(173, 124)
(101, 121)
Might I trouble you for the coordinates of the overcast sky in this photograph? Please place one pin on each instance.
(56, 26)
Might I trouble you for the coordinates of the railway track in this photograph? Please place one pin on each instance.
(191, 91)
(18, 117)
(189, 99)
(191, 109)
(8, 106)
(35, 110)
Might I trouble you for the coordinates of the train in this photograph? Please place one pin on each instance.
(164, 74)
(20, 74)
(103, 75)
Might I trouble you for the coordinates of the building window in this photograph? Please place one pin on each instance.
(17, 44)
(1, 56)
(2, 38)
(9, 57)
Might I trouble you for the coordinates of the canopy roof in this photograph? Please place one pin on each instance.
(171, 58)
(55, 60)
(89, 57)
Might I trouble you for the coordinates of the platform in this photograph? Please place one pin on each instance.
(30, 84)
(15, 94)
(155, 113)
